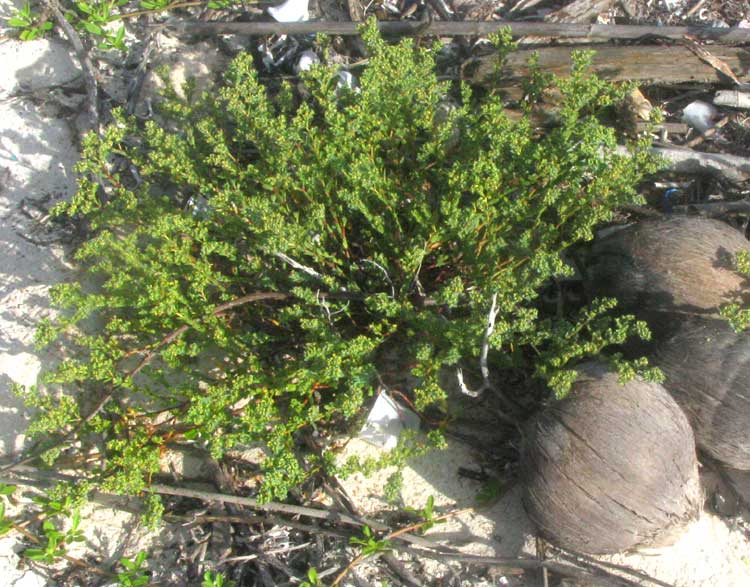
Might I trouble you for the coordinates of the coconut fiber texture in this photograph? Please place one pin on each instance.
(707, 368)
(676, 265)
(611, 467)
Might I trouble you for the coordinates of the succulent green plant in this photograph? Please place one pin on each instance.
(270, 247)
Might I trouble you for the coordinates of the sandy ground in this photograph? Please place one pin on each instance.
(36, 158)
(37, 152)
(710, 552)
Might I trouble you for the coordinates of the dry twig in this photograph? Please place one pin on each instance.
(89, 73)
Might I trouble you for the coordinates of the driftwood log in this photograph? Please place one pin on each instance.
(610, 467)
(669, 267)
(707, 368)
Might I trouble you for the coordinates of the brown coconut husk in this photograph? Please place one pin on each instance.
(678, 265)
(707, 368)
(611, 467)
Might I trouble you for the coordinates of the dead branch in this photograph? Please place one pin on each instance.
(579, 566)
(284, 508)
(725, 35)
(581, 570)
(89, 73)
(575, 557)
(713, 209)
(708, 134)
(730, 167)
(298, 266)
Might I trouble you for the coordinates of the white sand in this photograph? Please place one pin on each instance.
(36, 158)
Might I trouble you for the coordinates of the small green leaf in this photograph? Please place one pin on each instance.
(7, 489)
(35, 553)
(18, 22)
(94, 29)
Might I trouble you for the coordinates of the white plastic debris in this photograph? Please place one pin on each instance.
(346, 80)
(386, 421)
(391, 7)
(699, 115)
(290, 11)
(199, 206)
(306, 61)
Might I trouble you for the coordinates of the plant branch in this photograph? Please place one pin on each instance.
(299, 266)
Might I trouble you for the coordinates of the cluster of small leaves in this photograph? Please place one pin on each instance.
(134, 572)
(6, 523)
(313, 579)
(211, 579)
(60, 516)
(332, 228)
(738, 315)
(426, 515)
(369, 543)
(97, 19)
(564, 342)
(29, 22)
(409, 445)
(60, 527)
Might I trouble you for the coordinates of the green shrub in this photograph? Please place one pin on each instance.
(268, 251)
(738, 314)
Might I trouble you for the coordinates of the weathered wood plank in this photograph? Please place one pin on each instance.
(451, 28)
(641, 63)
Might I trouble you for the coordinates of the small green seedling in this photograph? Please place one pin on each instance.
(489, 492)
(370, 545)
(28, 22)
(427, 514)
(313, 580)
(6, 524)
(96, 17)
(134, 571)
(215, 580)
(53, 545)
